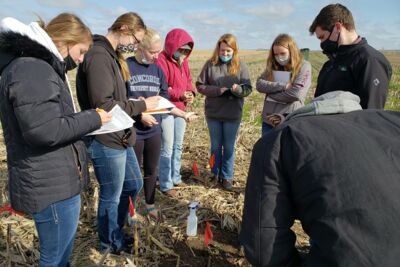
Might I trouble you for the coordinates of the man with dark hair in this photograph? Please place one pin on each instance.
(339, 174)
(353, 64)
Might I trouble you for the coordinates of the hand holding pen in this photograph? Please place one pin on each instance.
(104, 115)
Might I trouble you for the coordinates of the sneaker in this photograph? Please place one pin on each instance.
(227, 184)
(170, 193)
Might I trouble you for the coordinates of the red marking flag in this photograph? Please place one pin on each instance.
(131, 207)
(211, 161)
(208, 235)
(195, 169)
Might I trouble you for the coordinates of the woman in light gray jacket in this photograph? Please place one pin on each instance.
(283, 95)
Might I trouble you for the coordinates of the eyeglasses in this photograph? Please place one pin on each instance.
(136, 39)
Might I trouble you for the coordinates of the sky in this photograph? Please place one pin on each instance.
(255, 23)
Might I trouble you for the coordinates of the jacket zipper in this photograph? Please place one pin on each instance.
(77, 161)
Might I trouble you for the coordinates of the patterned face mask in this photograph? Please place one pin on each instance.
(129, 48)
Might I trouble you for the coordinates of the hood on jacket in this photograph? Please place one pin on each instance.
(20, 40)
(100, 40)
(334, 102)
(175, 39)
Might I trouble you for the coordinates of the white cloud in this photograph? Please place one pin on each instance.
(63, 4)
(271, 11)
(204, 18)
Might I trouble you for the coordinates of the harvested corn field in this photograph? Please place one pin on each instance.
(164, 242)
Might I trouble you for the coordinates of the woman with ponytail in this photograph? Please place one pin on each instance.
(47, 161)
(101, 83)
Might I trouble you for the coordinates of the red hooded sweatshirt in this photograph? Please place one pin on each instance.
(178, 77)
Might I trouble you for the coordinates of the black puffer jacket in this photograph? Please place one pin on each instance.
(340, 176)
(41, 130)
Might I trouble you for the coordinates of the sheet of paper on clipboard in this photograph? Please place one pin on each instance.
(120, 121)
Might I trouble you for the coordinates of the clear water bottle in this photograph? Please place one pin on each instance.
(191, 228)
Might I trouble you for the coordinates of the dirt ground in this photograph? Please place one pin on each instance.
(162, 243)
(159, 243)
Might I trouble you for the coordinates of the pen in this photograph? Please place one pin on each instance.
(99, 109)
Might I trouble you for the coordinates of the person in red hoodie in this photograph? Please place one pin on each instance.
(173, 60)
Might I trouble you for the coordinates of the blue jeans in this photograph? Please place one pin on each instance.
(266, 128)
(173, 130)
(223, 136)
(119, 176)
(56, 226)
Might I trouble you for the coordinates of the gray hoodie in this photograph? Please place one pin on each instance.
(279, 100)
(219, 104)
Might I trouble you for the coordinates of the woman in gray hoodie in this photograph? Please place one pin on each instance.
(225, 81)
(283, 95)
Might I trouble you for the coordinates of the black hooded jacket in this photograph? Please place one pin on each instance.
(99, 84)
(46, 160)
(340, 176)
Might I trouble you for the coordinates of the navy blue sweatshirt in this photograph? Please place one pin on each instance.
(146, 80)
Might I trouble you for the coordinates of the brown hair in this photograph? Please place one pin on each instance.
(234, 64)
(331, 14)
(67, 29)
(134, 23)
(295, 62)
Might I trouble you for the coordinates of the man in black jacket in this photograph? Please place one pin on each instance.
(339, 175)
(353, 64)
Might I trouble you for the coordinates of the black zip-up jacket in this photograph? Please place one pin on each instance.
(99, 84)
(359, 69)
(340, 176)
(46, 160)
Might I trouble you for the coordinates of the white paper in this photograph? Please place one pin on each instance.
(281, 76)
(120, 120)
(163, 104)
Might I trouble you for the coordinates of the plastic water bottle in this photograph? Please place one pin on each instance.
(191, 228)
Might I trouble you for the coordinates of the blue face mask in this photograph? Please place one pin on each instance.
(225, 58)
(176, 55)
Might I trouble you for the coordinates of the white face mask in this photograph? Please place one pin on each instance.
(282, 60)
(144, 60)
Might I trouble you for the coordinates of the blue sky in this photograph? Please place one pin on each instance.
(255, 23)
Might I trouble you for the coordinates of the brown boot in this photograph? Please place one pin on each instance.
(170, 193)
(227, 184)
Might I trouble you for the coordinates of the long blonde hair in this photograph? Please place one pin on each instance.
(149, 38)
(67, 29)
(234, 64)
(134, 23)
(295, 62)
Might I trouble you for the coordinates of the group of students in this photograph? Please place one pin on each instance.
(44, 133)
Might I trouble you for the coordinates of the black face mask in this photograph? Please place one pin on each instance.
(70, 64)
(329, 47)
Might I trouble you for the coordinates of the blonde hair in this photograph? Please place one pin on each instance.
(67, 29)
(149, 38)
(134, 23)
(234, 64)
(295, 62)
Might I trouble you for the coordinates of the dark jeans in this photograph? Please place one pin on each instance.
(148, 154)
(118, 174)
(56, 226)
